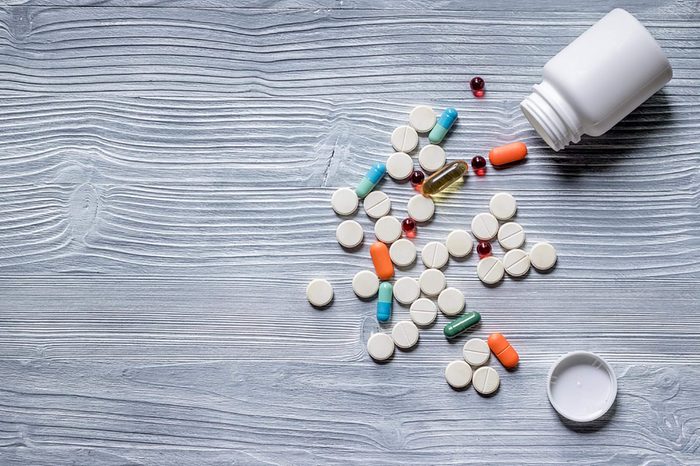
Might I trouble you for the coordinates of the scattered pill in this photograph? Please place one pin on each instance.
(503, 206)
(486, 380)
(421, 208)
(479, 165)
(484, 226)
(476, 352)
(381, 260)
(461, 324)
(511, 235)
(422, 118)
(365, 284)
(370, 180)
(477, 86)
(385, 301)
(405, 334)
(459, 243)
(432, 282)
(502, 349)
(319, 292)
(423, 312)
(483, 249)
(403, 252)
(516, 262)
(344, 201)
(543, 256)
(387, 229)
(443, 125)
(404, 139)
(408, 225)
(451, 301)
(406, 290)
(446, 176)
(417, 178)
(434, 255)
(509, 153)
(458, 374)
(490, 270)
(349, 234)
(432, 158)
(380, 346)
(399, 166)
(377, 204)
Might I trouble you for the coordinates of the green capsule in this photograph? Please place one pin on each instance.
(447, 175)
(459, 325)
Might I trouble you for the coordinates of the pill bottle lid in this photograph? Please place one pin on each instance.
(581, 386)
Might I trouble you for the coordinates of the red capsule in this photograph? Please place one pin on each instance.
(483, 249)
(409, 227)
(417, 178)
(477, 86)
(479, 165)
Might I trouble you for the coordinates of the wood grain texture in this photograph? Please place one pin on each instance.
(165, 176)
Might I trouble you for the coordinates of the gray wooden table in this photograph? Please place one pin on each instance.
(166, 173)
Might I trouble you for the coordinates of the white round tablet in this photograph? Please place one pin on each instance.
(432, 158)
(422, 118)
(451, 301)
(406, 290)
(503, 206)
(344, 201)
(490, 270)
(319, 292)
(432, 282)
(421, 208)
(458, 374)
(349, 233)
(387, 229)
(476, 352)
(486, 380)
(543, 256)
(403, 252)
(459, 243)
(516, 262)
(365, 284)
(434, 255)
(405, 334)
(399, 165)
(511, 235)
(484, 226)
(423, 312)
(376, 204)
(404, 139)
(380, 346)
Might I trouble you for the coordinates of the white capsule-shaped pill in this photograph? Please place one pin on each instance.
(484, 226)
(380, 346)
(511, 235)
(434, 255)
(490, 270)
(459, 243)
(406, 290)
(503, 206)
(403, 252)
(432, 158)
(405, 334)
(543, 256)
(350, 234)
(422, 118)
(344, 201)
(387, 229)
(516, 262)
(376, 204)
(432, 282)
(423, 312)
(399, 166)
(365, 284)
(404, 139)
(421, 208)
(476, 352)
(458, 374)
(486, 380)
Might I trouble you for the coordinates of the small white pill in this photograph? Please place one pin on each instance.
(376, 204)
(484, 226)
(451, 301)
(380, 346)
(404, 139)
(422, 118)
(434, 255)
(405, 334)
(503, 206)
(458, 374)
(423, 312)
(459, 243)
(511, 235)
(399, 166)
(432, 282)
(421, 208)
(403, 252)
(349, 233)
(387, 229)
(344, 201)
(365, 284)
(432, 158)
(319, 292)
(406, 290)
(476, 352)
(543, 256)
(516, 262)
(490, 270)
(486, 380)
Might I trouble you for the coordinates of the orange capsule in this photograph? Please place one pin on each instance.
(504, 352)
(382, 261)
(509, 153)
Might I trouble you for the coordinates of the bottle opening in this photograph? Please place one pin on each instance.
(548, 120)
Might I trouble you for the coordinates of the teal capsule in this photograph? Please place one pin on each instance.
(367, 184)
(385, 301)
(443, 125)
(459, 325)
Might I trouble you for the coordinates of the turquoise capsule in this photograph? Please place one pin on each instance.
(386, 298)
(443, 125)
(459, 325)
(375, 173)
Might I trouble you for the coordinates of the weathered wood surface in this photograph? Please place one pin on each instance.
(165, 175)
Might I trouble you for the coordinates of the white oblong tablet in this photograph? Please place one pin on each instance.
(423, 312)
(403, 252)
(451, 301)
(387, 229)
(422, 118)
(406, 290)
(484, 226)
(380, 346)
(486, 380)
(458, 374)
(432, 158)
(432, 282)
(344, 201)
(543, 256)
(405, 334)
(516, 262)
(365, 284)
(490, 270)
(376, 204)
(399, 165)
(421, 208)
(503, 206)
(349, 233)
(459, 243)
(434, 255)
(319, 292)
(476, 352)
(511, 235)
(404, 139)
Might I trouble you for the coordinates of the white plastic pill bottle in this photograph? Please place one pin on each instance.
(596, 81)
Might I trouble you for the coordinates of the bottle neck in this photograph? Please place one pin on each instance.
(552, 116)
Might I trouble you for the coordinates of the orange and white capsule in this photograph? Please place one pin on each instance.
(504, 352)
(509, 153)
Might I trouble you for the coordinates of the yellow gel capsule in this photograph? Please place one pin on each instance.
(441, 179)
